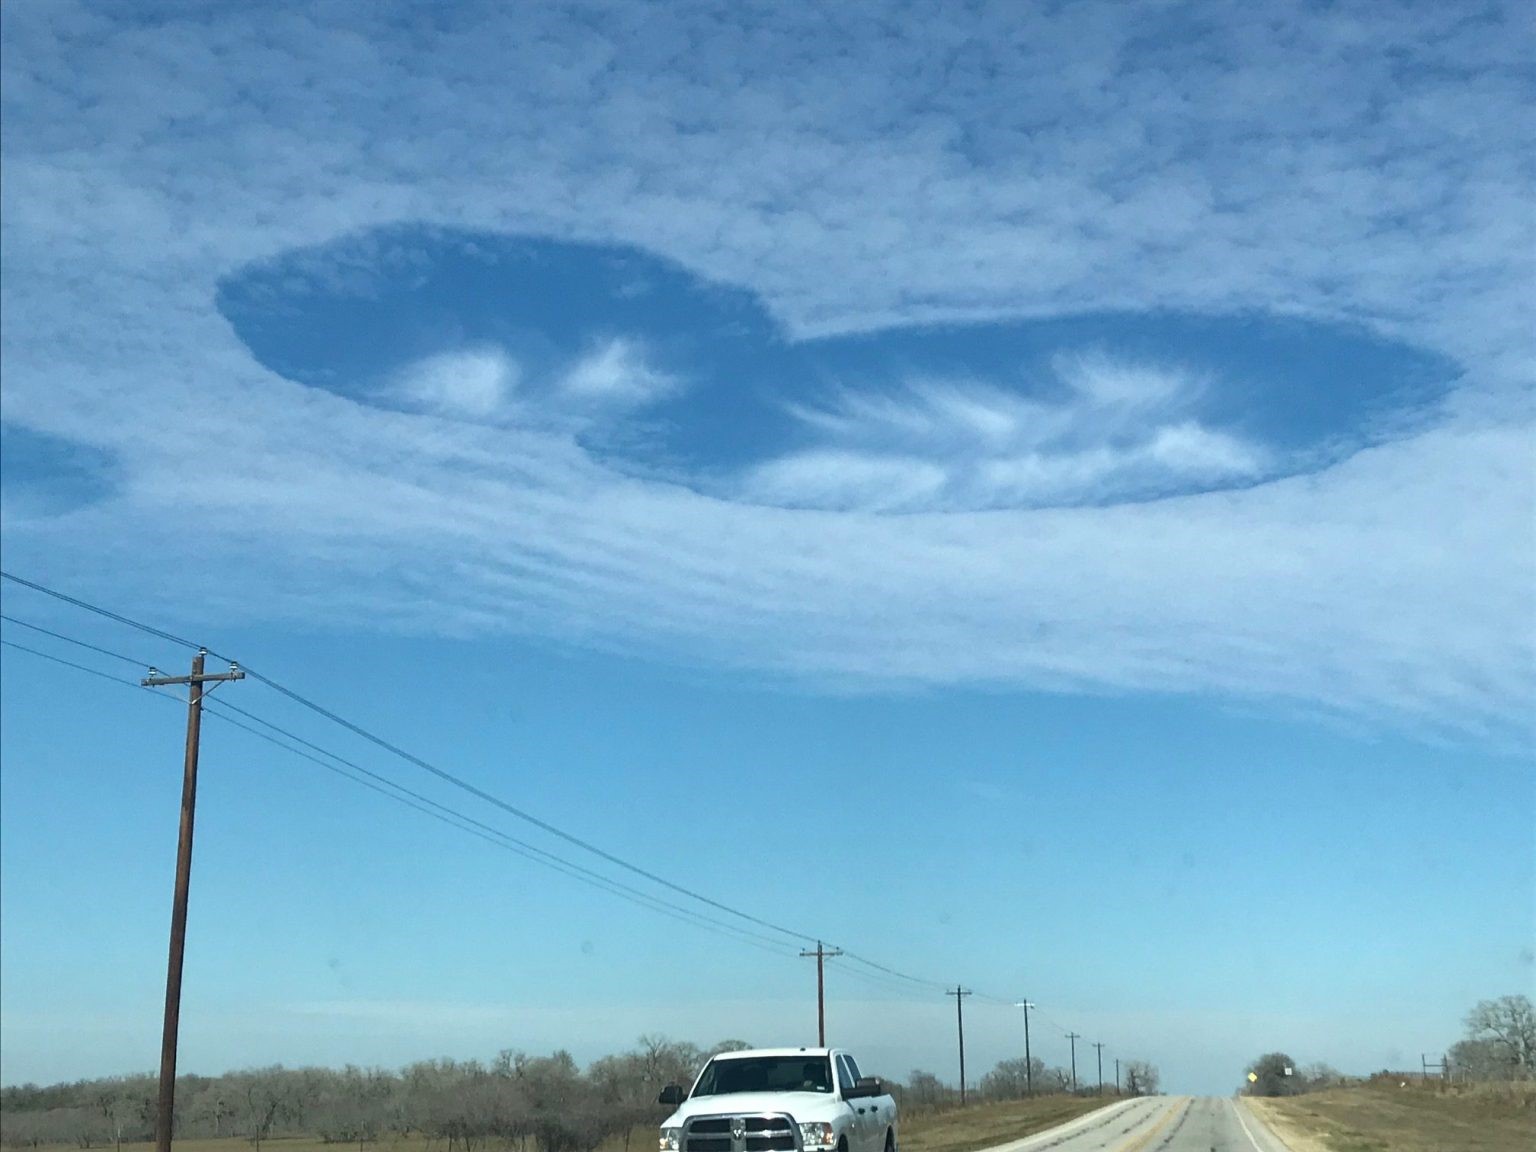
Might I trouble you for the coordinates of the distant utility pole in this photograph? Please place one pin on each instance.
(167, 1107)
(960, 994)
(821, 955)
(1074, 1037)
(1117, 1075)
(1029, 1064)
(1100, 1048)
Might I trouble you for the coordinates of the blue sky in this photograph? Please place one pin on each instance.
(1072, 469)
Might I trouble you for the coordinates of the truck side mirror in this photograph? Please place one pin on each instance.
(672, 1095)
(867, 1086)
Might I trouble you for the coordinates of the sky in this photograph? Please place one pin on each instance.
(1040, 498)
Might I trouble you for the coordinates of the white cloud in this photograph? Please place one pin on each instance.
(1295, 161)
(1191, 450)
(944, 445)
(616, 372)
(1121, 386)
(472, 383)
(845, 480)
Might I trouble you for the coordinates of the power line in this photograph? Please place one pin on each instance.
(452, 816)
(68, 663)
(892, 974)
(72, 640)
(879, 975)
(918, 980)
(523, 814)
(449, 777)
(68, 599)
(425, 805)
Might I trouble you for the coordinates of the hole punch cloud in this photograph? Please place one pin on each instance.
(656, 371)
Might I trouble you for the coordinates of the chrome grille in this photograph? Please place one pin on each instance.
(764, 1132)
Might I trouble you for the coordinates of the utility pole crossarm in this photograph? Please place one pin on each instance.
(156, 680)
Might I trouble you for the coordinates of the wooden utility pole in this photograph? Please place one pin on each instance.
(960, 994)
(1117, 1075)
(821, 955)
(166, 1111)
(1029, 1064)
(1074, 1037)
(1100, 1049)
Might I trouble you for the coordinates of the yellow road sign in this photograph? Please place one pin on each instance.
(1253, 1077)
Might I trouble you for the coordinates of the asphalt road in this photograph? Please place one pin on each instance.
(1159, 1124)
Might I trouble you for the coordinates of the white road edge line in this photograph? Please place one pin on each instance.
(1238, 1111)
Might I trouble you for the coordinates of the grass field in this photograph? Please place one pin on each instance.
(954, 1130)
(1387, 1118)
(988, 1124)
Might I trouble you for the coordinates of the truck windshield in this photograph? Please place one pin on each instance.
(766, 1074)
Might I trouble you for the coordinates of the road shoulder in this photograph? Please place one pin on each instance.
(1284, 1136)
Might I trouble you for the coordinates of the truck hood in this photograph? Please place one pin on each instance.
(803, 1106)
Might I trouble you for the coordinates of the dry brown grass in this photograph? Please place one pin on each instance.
(954, 1130)
(983, 1125)
(1387, 1118)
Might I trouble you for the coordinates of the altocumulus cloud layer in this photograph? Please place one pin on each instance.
(1115, 500)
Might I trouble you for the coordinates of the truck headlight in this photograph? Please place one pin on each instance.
(668, 1141)
(817, 1136)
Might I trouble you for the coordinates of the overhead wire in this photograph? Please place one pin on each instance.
(873, 967)
(100, 611)
(430, 807)
(421, 803)
(524, 815)
(416, 800)
(72, 640)
(68, 663)
(411, 758)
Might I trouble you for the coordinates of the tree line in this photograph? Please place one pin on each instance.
(1498, 1045)
(514, 1103)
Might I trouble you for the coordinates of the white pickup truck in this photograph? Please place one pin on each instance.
(780, 1100)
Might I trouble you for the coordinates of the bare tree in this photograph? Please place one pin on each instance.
(1510, 1023)
(1141, 1078)
(1317, 1076)
(925, 1091)
(126, 1105)
(267, 1096)
(1011, 1079)
(1481, 1060)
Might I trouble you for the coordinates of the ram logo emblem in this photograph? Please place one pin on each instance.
(738, 1128)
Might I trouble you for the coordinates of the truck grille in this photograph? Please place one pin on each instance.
(774, 1132)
